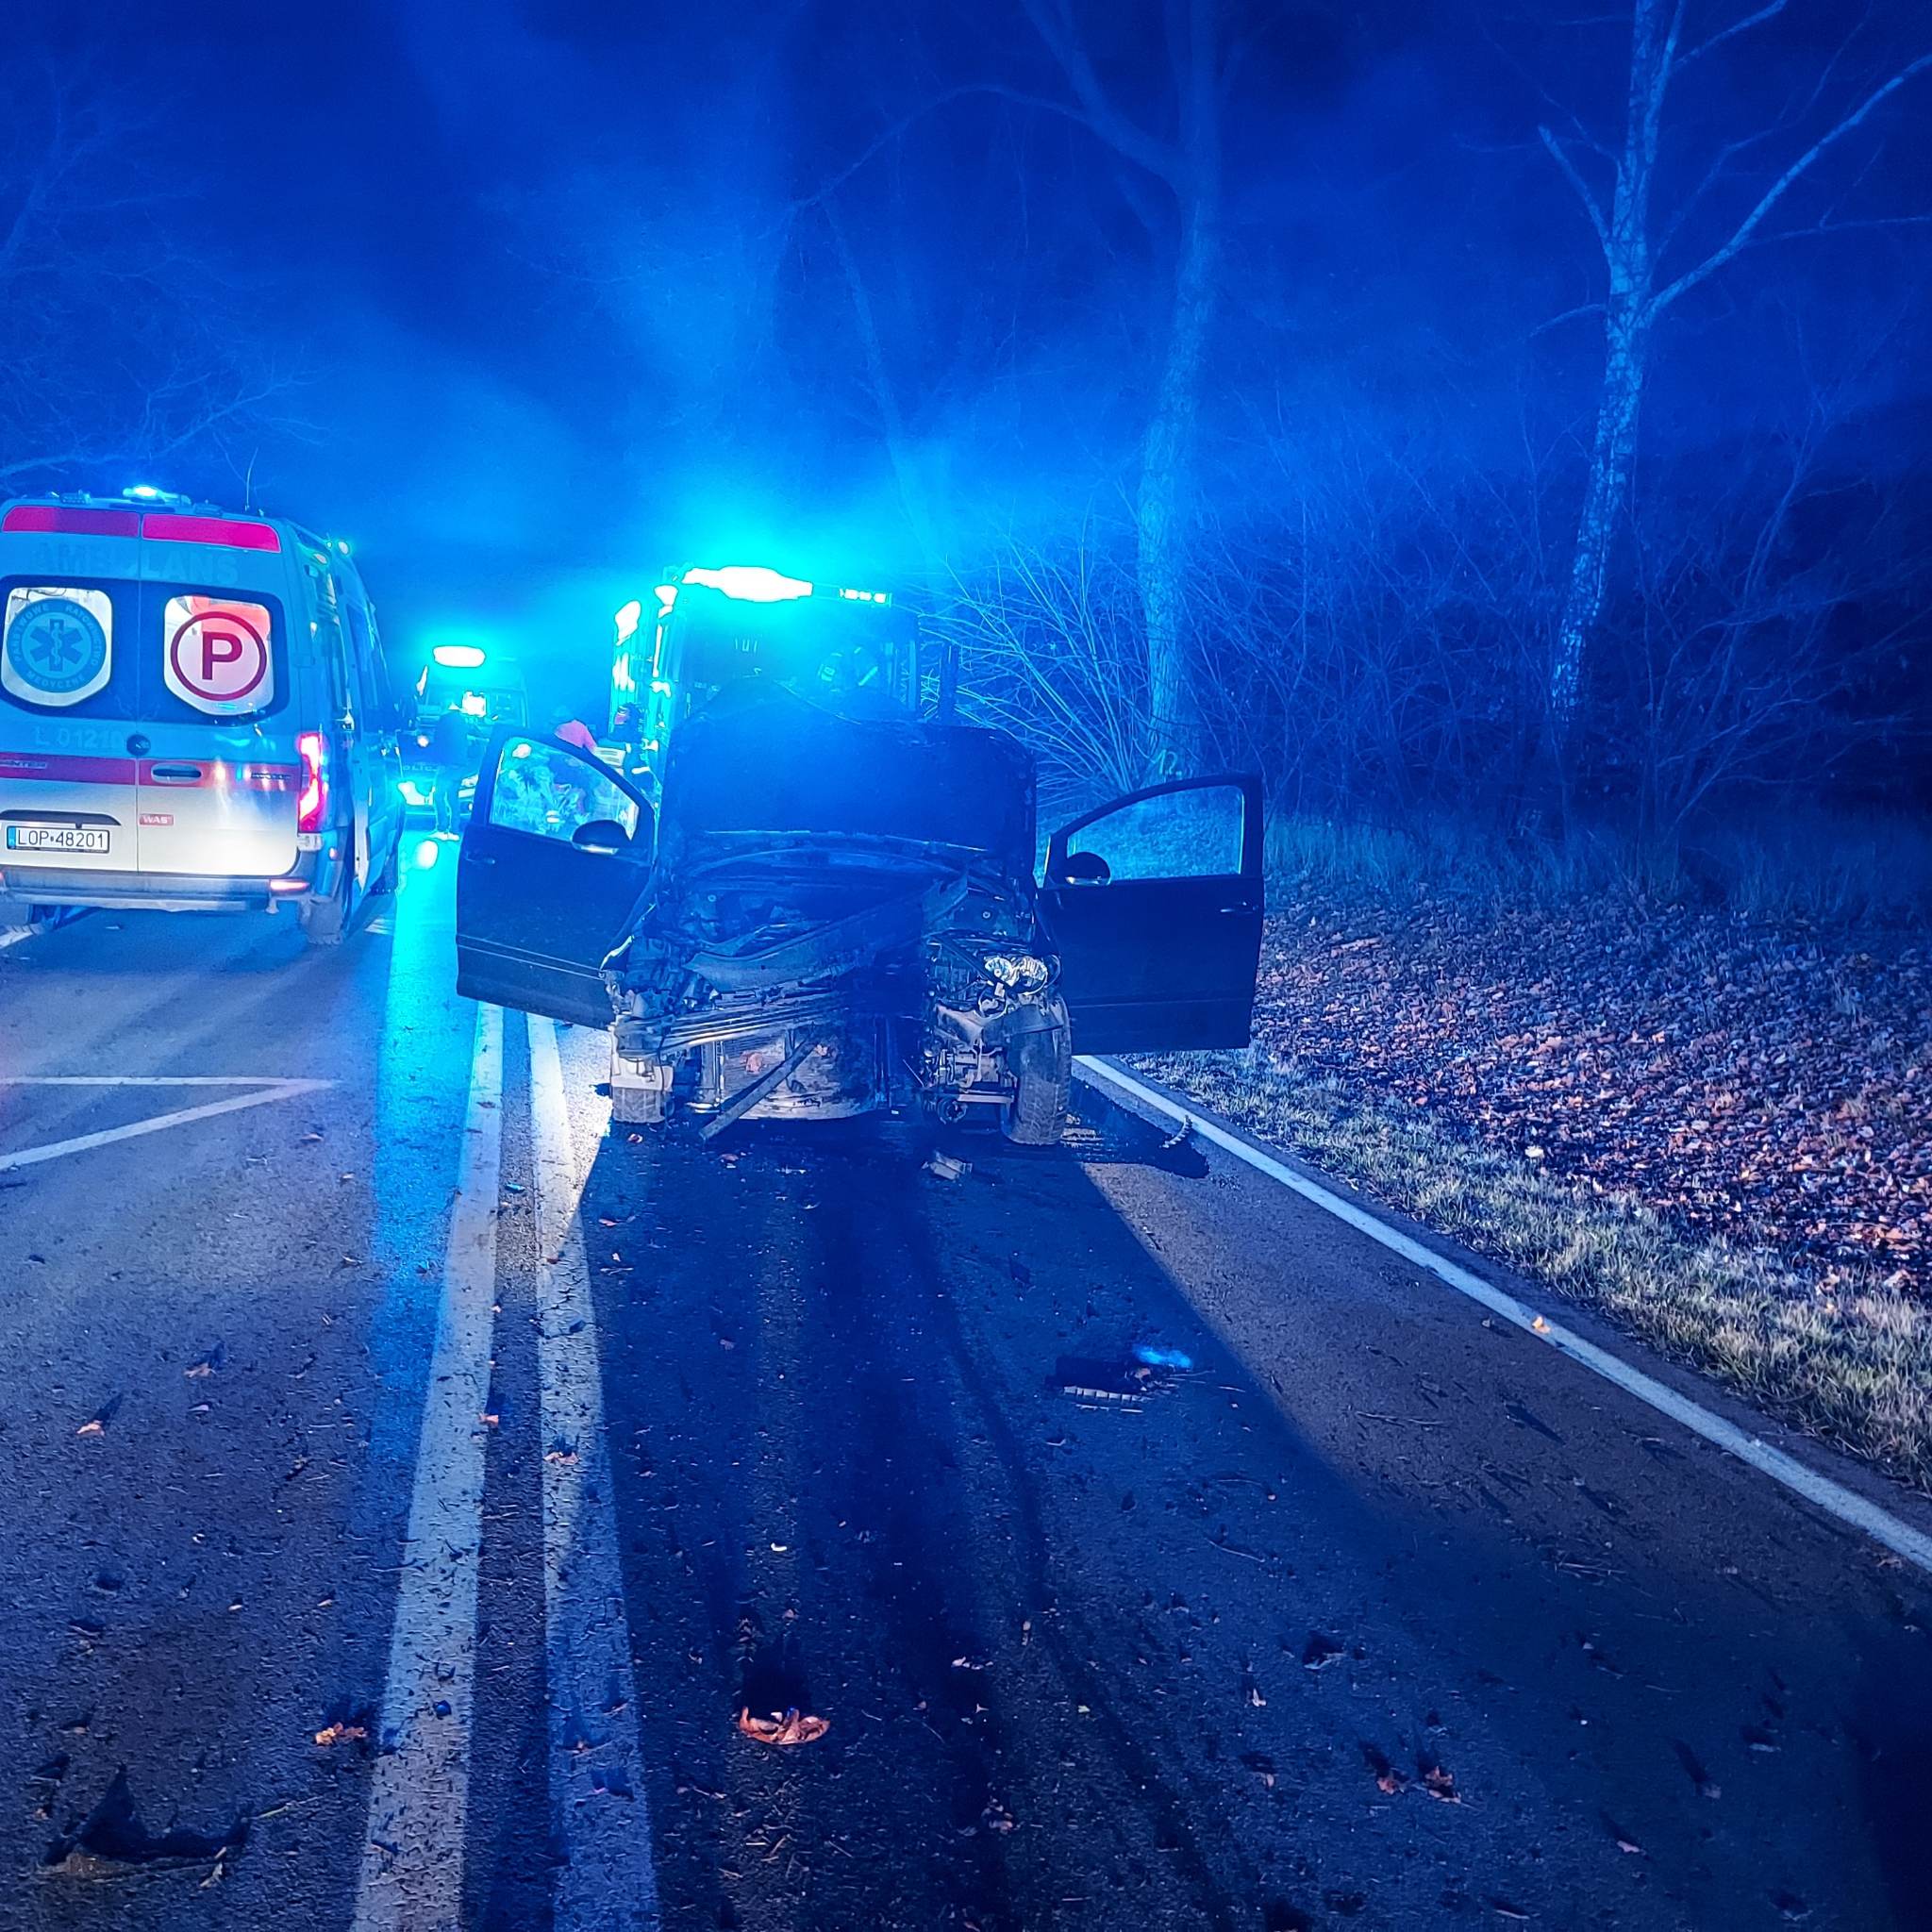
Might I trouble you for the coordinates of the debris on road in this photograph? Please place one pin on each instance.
(791, 1726)
(207, 1364)
(1438, 1781)
(1694, 1771)
(1150, 1355)
(1621, 1839)
(1389, 1781)
(97, 1424)
(340, 1733)
(947, 1167)
(1119, 1384)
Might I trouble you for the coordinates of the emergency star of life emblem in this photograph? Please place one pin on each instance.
(218, 654)
(57, 645)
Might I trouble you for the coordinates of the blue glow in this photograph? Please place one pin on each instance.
(427, 853)
(1154, 1357)
(460, 656)
(751, 583)
(628, 619)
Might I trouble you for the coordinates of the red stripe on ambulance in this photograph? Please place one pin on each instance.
(60, 768)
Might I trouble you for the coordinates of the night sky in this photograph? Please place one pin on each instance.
(564, 300)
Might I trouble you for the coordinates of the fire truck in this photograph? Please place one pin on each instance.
(707, 628)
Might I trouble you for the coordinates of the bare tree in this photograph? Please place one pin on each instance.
(1203, 53)
(116, 345)
(1049, 650)
(1646, 270)
(1763, 611)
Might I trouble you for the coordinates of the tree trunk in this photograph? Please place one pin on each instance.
(1605, 501)
(1164, 510)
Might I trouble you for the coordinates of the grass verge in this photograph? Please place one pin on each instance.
(1853, 1365)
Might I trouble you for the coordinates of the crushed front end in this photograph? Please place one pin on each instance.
(841, 920)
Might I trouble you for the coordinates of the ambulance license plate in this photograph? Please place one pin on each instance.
(56, 838)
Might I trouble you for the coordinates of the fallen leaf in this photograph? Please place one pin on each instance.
(786, 1727)
(340, 1734)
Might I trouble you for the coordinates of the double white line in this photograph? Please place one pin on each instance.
(413, 1859)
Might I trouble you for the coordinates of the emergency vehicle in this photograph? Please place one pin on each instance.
(195, 714)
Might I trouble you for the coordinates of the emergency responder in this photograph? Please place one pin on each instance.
(450, 753)
(567, 726)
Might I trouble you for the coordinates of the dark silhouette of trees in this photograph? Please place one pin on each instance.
(120, 346)
(1647, 209)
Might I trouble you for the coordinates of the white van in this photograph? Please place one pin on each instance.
(195, 715)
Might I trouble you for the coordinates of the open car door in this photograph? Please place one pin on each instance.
(1154, 903)
(552, 860)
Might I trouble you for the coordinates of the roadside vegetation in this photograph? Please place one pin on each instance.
(1698, 1103)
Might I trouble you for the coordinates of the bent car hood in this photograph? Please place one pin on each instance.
(778, 764)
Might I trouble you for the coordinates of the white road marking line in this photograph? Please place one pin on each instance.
(1847, 1506)
(412, 1853)
(597, 1802)
(262, 1091)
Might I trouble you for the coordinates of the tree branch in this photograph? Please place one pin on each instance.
(1592, 206)
(1054, 23)
(1768, 12)
(1746, 229)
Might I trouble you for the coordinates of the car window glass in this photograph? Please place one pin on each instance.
(141, 652)
(1194, 834)
(544, 788)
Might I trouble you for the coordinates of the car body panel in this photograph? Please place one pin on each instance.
(537, 912)
(1160, 964)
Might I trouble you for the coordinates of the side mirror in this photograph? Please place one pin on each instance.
(1084, 869)
(601, 835)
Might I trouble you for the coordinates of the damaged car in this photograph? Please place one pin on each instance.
(832, 915)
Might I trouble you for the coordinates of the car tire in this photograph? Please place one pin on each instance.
(325, 921)
(391, 875)
(1043, 1067)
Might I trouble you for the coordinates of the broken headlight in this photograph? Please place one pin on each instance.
(1018, 971)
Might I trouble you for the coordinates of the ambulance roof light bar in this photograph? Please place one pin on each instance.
(751, 583)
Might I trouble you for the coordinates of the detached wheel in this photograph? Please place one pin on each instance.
(1043, 1066)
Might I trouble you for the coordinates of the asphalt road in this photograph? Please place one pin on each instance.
(406, 1482)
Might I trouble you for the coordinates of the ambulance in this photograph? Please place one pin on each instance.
(195, 715)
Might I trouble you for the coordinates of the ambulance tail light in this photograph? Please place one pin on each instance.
(313, 800)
